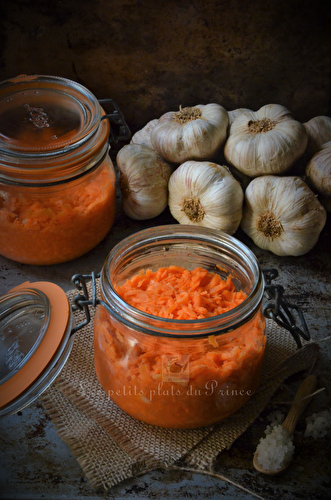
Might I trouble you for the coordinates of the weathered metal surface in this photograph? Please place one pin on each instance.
(37, 464)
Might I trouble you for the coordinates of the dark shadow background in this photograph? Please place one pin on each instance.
(151, 56)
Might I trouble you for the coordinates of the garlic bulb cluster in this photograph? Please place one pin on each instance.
(282, 215)
(267, 141)
(193, 133)
(144, 177)
(177, 161)
(318, 172)
(143, 136)
(319, 132)
(205, 194)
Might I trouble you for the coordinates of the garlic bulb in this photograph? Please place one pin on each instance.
(191, 133)
(319, 132)
(143, 136)
(267, 141)
(206, 194)
(144, 177)
(282, 214)
(318, 172)
(236, 112)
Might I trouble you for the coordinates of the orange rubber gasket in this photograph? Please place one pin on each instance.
(58, 324)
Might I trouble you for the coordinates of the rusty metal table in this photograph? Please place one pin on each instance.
(36, 463)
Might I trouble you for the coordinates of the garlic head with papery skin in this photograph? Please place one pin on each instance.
(144, 177)
(206, 194)
(282, 215)
(264, 142)
(143, 136)
(192, 133)
(318, 172)
(319, 132)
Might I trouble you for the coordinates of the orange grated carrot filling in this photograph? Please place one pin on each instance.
(49, 227)
(177, 293)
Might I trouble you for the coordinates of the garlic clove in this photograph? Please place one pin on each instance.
(205, 194)
(318, 172)
(282, 215)
(264, 142)
(319, 132)
(194, 133)
(144, 177)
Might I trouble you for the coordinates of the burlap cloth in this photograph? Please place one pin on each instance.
(111, 446)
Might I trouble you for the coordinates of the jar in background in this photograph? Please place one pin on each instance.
(180, 373)
(57, 181)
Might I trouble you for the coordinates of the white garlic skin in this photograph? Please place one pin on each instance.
(271, 149)
(143, 136)
(296, 214)
(319, 132)
(318, 172)
(212, 189)
(236, 112)
(197, 139)
(144, 177)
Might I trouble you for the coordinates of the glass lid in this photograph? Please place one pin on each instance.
(35, 324)
(42, 115)
(24, 318)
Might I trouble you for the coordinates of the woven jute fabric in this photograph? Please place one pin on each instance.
(111, 446)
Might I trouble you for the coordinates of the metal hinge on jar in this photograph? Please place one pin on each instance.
(82, 301)
(116, 118)
(281, 310)
(278, 308)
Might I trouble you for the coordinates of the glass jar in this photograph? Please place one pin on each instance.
(180, 373)
(57, 181)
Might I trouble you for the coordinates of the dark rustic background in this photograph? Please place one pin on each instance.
(151, 56)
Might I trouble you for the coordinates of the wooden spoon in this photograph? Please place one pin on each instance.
(298, 406)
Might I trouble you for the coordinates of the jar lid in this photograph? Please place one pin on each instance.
(45, 115)
(34, 333)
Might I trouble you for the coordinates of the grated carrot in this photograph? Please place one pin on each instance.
(177, 293)
(50, 227)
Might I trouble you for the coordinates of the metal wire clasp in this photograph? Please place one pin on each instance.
(82, 301)
(281, 310)
(116, 118)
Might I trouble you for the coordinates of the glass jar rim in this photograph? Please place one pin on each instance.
(164, 327)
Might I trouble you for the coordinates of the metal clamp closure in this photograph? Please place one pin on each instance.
(281, 310)
(116, 118)
(82, 301)
(278, 308)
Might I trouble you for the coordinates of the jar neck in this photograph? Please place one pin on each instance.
(168, 245)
